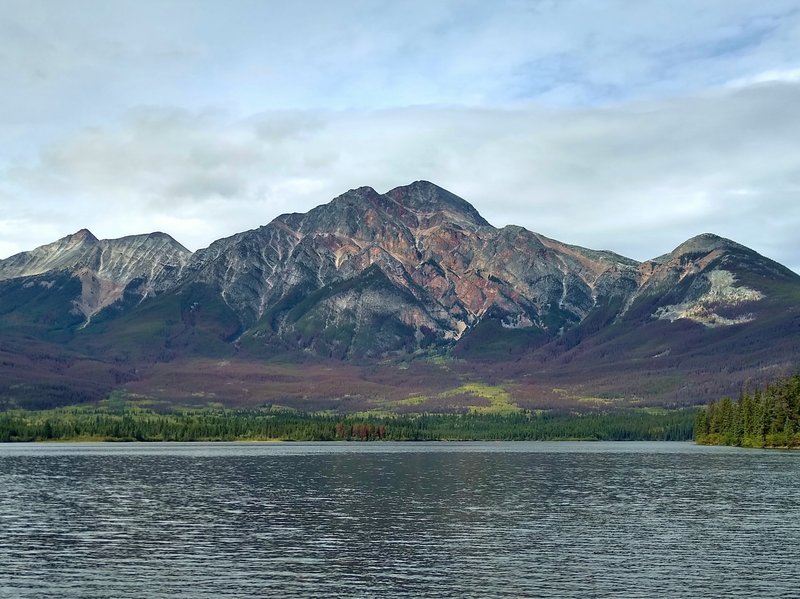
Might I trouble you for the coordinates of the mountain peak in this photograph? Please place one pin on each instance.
(82, 235)
(705, 242)
(156, 237)
(358, 194)
(426, 197)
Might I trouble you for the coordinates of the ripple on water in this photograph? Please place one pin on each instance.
(432, 520)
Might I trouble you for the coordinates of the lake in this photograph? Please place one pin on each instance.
(520, 519)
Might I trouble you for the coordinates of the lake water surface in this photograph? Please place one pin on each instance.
(174, 521)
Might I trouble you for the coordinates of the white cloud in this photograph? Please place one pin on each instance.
(637, 179)
(596, 123)
(769, 76)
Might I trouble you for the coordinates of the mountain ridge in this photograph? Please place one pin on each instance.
(413, 272)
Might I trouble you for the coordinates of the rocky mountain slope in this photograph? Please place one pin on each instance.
(412, 272)
(372, 272)
(105, 269)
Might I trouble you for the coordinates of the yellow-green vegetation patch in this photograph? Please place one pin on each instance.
(655, 411)
(147, 401)
(601, 401)
(443, 361)
(376, 413)
(122, 396)
(415, 399)
(585, 399)
(280, 409)
(325, 413)
(498, 397)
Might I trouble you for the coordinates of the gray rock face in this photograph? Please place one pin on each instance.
(434, 249)
(369, 273)
(105, 268)
(702, 278)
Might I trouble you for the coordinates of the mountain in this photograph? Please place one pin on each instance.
(414, 274)
(104, 270)
(370, 273)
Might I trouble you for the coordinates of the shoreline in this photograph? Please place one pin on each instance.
(343, 441)
(134, 424)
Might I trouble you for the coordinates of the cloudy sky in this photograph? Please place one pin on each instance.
(628, 125)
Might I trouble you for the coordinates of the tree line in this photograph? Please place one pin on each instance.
(768, 417)
(138, 424)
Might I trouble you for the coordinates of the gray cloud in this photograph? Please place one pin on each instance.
(637, 179)
(623, 125)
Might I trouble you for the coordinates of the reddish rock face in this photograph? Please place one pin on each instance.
(369, 273)
(453, 267)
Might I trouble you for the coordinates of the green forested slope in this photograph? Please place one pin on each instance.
(767, 417)
(140, 424)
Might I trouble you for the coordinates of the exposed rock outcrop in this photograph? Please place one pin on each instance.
(105, 268)
(368, 273)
